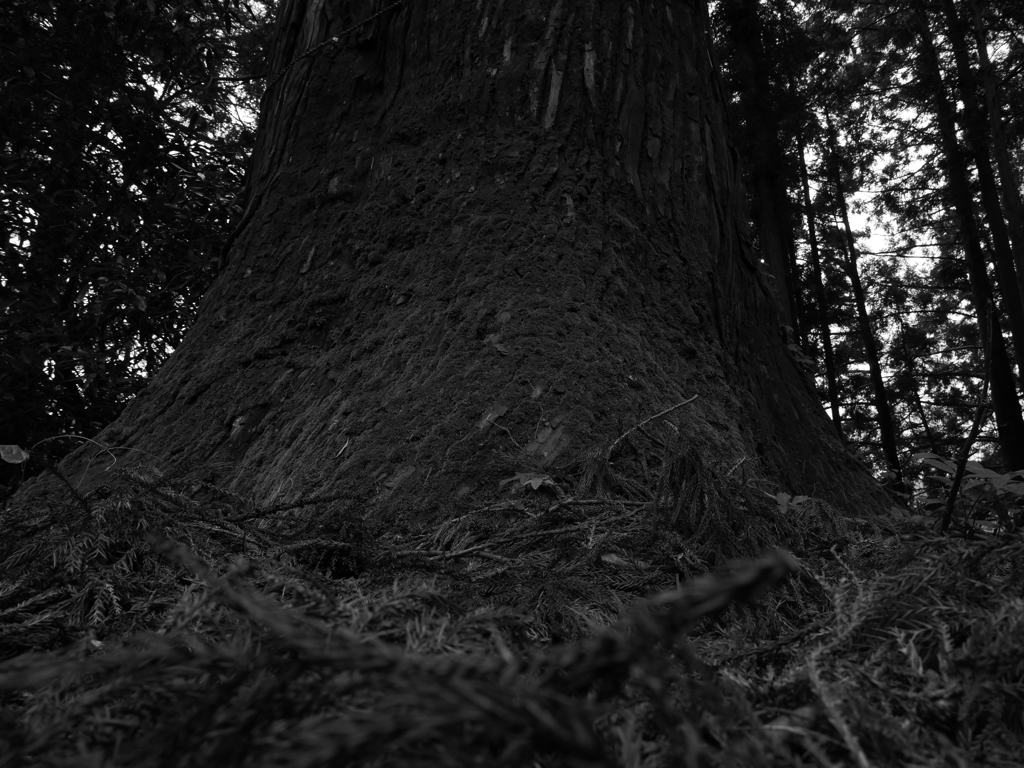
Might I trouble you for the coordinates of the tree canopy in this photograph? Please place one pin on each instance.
(498, 374)
(900, 114)
(124, 134)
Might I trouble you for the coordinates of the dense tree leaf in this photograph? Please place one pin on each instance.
(123, 143)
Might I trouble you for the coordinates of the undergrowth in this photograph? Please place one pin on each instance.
(162, 623)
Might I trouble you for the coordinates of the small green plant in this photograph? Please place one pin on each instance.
(994, 502)
(13, 454)
(532, 479)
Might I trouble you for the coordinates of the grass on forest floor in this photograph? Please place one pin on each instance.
(144, 628)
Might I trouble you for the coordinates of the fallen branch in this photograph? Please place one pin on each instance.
(645, 422)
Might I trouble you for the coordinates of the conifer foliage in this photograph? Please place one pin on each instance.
(122, 144)
(905, 112)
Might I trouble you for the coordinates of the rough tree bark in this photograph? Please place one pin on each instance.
(485, 238)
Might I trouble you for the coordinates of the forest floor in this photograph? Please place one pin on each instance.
(140, 627)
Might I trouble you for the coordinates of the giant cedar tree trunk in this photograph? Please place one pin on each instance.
(482, 238)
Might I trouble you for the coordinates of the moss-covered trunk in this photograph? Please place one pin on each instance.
(485, 239)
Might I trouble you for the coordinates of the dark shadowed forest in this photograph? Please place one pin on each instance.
(511, 383)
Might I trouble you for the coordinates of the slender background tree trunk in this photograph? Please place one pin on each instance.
(818, 285)
(482, 239)
(886, 423)
(1005, 402)
(974, 122)
(1010, 187)
(772, 210)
